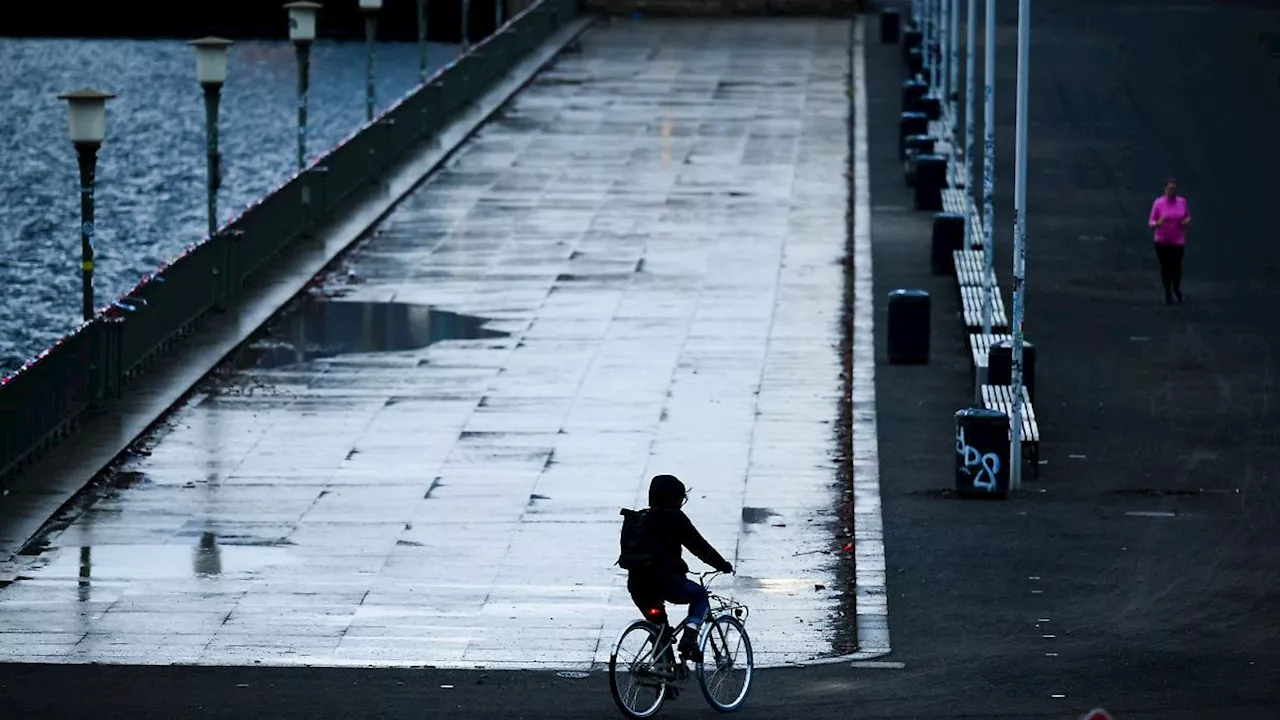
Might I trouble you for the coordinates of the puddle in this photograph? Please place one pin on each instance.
(321, 329)
(756, 516)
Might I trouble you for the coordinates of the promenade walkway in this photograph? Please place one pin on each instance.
(634, 270)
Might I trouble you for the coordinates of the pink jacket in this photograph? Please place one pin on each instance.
(1169, 215)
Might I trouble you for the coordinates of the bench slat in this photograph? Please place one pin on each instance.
(969, 266)
(1000, 397)
(954, 200)
(980, 346)
(971, 303)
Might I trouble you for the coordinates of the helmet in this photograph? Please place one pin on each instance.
(666, 491)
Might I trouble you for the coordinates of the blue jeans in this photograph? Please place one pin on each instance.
(650, 592)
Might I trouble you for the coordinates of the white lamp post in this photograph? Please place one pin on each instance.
(211, 72)
(1019, 240)
(302, 31)
(370, 9)
(87, 125)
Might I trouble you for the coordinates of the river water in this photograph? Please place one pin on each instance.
(151, 168)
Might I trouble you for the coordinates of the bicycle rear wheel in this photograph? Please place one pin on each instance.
(728, 664)
(635, 678)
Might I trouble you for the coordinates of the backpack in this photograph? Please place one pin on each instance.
(636, 543)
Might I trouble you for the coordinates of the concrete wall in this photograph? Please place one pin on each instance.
(658, 8)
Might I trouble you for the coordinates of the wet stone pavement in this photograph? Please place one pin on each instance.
(635, 270)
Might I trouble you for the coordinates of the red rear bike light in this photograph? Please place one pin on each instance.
(654, 612)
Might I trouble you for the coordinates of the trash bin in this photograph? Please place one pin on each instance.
(908, 327)
(931, 107)
(948, 236)
(915, 61)
(890, 24)
(910, 123)
(917, 145)
(911, 40)
(1000, 365)
(931, 178)
(913, 91)
(982, 453)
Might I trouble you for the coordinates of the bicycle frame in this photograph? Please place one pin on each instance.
(719, 606)
(719, 603)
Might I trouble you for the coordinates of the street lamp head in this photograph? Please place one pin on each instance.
(302, 20)
(370, 5)
(87, 119)
(211, 59)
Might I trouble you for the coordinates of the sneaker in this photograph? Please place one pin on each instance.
(667, 635)
(689, 644)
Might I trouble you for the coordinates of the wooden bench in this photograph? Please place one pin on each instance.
(969, 267)
(943, 143)
(1000, 397)
(980, 347)
(954, 201)
(955, 171)
(971, 302)
(978, 239)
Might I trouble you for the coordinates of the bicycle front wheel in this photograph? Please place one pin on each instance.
(727, 665)
(635, 673)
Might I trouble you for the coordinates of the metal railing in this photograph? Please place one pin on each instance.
(42, 401)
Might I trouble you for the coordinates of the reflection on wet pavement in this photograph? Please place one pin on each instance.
(643, 255)
(324, 328)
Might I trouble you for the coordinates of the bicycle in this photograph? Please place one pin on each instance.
(653, 672)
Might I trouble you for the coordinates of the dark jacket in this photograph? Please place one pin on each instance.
(672, 531)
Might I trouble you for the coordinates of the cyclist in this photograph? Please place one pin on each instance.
(661, 574)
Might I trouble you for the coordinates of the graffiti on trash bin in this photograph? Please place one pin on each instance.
(982, 469)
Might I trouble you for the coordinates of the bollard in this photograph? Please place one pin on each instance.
(931, 178)
(921, 144)
(917, 145)
(890, 25)
(915, 61)
(911, 40)
(913, 91)
(910, 123)
(931, 107)
(948, 236)
(1000, 365)
(982, 453)
(908, 330)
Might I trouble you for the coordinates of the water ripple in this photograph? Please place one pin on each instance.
(151, 169)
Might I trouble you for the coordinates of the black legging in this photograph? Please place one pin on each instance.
(1170, 257)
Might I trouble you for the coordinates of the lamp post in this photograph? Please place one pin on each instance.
(87, 125)
(422, 39)
(370, 9)
(968, 125)
(211, 72)
(1019, 240)
(953, 65)
(988, 164)
(302, 31)
(497, 14)
(944, 55)
(466, 16)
